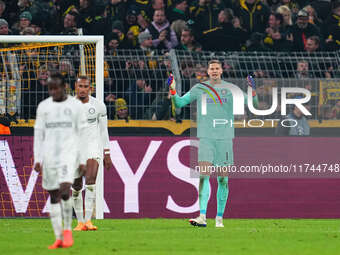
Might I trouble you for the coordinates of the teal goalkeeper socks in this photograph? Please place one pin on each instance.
(204, 193)
(222, 194)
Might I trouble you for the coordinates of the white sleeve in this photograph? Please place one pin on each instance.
(39, 135)
(82, 131)
(103, 127)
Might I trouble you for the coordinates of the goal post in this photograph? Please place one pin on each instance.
(98, 41)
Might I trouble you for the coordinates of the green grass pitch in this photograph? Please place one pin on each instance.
(176, 236)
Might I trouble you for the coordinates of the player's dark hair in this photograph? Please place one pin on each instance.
(58, 76)
(214, 61)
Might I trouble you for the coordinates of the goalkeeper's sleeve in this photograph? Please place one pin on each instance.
(255, 100)
(181, 101)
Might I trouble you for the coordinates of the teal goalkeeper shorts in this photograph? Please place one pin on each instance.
(218, 152)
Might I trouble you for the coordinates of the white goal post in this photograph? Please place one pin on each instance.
(99, 80)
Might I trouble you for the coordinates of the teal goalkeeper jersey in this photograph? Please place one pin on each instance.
(213, 119)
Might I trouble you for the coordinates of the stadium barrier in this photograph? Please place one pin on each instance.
(163, 186)
(139, 77)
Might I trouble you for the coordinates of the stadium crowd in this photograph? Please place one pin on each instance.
(212, 25)
(157, 26)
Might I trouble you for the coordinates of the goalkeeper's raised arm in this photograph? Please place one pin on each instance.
(192, 94)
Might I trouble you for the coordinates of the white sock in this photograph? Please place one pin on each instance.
(203, 216)
(90, 197)
(67, 213)
(219, 218)
(77, 198)
(55, 215)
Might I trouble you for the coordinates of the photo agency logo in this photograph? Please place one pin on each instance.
(239, 105)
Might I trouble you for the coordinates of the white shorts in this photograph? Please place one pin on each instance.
(78, 174)
(52, 177)
(92, 152)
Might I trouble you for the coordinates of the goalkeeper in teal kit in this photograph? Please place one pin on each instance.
(214, 103)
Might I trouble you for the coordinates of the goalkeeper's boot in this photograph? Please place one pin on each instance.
(219, 222)
(79, 227)
(200, 221)
(57, 244)
(89, 226)
(68, 239)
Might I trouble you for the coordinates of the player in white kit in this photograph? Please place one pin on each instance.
(97, 147)
(59, 132)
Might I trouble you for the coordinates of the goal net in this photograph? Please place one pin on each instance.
(25, 65)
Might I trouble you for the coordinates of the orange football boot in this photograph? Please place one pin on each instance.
(89, 226)
(57, 244)
(68, 240)
(79, 227)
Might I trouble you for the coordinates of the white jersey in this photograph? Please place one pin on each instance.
(97, 137)
(58, 132)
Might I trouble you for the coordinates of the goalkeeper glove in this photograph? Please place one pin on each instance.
(251, 83)
(172, 84)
